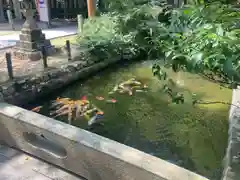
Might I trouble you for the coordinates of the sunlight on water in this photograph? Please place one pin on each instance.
(192, 137)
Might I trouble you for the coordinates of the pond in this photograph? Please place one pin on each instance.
(194, 137)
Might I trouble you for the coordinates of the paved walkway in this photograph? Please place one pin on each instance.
(11, 39)
(27, 67)
(15, 165)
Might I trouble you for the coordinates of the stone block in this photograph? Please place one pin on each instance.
(29, 38)
(232, 157)
(32, 32)
(30, 45)
(23, 55)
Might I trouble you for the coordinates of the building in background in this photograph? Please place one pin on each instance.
(13, 5)
(58, 9)
(69, 9)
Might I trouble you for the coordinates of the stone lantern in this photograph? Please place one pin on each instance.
(31, 37)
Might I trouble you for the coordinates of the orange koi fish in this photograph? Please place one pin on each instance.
(84, 99)
(112, 101)
(100, 98)
(36, 109)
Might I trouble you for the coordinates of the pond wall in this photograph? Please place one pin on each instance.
(86, 154)
(22, 90)
(232, 158)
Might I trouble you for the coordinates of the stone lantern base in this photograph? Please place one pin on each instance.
(31, 37)
(30, 45)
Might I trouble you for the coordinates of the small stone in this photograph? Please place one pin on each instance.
(71, 68)
(236, 159)
(84, 64)
(53, 75)
(79, 66)
(35, 80)
(8, 90)
(46, 77)
(22, 81)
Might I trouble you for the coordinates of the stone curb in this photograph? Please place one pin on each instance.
(232, 156)
(84, 153)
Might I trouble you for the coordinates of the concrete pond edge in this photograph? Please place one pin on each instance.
(232, 155)
(84, 153)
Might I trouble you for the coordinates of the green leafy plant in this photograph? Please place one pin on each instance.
(128, 33)
(205, 40)
(201, 38)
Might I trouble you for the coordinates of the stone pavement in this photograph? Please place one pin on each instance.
(25, 67)
(11, 39)
(15, 165)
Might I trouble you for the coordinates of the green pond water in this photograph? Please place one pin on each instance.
(192, 137)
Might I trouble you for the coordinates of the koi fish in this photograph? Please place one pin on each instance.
(99, 98)
(95, 118)
(111, 100)
(139, 90)
(56, 105)
(84, 99)
(100, 113)
(62, 99)
(63, 113)
(36, 109)
(130, 93)
(63, 108)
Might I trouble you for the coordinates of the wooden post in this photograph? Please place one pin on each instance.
(80, 23)
(91, 8)
(68, 50)
(9, 65)
(44, 56)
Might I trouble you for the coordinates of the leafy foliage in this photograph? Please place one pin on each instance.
(204, 39)
(201, 38)
(101, 36)
(127, 34)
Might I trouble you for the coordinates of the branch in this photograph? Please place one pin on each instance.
(216, 102)
(222, 83)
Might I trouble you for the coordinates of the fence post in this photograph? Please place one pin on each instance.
(68, 50)
(9, 65)
(80, 23)
(44, 56)
(91, 6)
